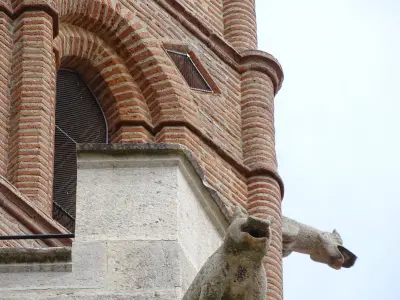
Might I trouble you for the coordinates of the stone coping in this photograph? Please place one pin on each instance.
(161, 149)
(14, 256)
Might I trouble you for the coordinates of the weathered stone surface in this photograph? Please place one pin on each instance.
(197, 214)
(36, 267)
(89, 267)
(235, 270)
(90, 295)
(142, 150)
(143, 265)
(131, 200)
(138, 220)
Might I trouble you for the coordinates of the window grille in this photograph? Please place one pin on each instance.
(189, 71)
(79, 119)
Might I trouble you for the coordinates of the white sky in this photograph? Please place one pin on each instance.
(338, 141)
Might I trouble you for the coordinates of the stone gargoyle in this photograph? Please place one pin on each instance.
(236, 270)
(323, 247)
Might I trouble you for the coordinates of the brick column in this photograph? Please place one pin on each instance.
(5, 74)
(261, 78)
(240, 24)
(264, 199)
(33, 105)
(258, 131)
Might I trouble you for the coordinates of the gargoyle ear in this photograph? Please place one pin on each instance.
(335, 232)
(239, 212)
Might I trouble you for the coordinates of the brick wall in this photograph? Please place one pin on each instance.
(119, 49)
(210, 11)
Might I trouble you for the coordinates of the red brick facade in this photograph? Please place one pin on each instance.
(119, 48)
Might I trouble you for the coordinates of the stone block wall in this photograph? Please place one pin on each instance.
(140, 232)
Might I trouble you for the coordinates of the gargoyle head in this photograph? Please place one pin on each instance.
(249, 234)
(332, 252)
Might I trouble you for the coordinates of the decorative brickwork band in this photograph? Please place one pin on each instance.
(240, 24)
(105, 74)
(140, 52)
(32, 102)
(265, 200)
(132, 135)
(5, 74)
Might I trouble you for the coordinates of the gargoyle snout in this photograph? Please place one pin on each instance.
(349, 258)
(257, 228)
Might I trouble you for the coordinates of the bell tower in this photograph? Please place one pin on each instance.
(183, 100)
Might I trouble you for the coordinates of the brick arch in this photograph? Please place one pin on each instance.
(105, 74)
(162, 87)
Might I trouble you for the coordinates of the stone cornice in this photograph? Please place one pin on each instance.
(23, 210)
(35, 255)
(159, 149)
(241, 62)
(168, 147)
(32, 5)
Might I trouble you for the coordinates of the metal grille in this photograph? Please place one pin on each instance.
(64, 186)
(79, 119)
(189, 71)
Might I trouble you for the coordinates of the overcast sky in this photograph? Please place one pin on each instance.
(338, 142)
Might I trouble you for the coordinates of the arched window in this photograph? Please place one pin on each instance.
(79, 119)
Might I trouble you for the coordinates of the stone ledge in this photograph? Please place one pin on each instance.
(36, 268)
(162, 149)
(12, 256)
(91, 294)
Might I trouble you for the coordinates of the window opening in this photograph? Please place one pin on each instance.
(79, 119)
(189, 71)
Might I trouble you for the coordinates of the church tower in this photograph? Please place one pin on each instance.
(134, 126)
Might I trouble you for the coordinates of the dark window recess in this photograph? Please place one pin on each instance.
(189, 71)
(79, 119)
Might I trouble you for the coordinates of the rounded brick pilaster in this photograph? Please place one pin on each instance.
(240, 24)
(5, 74)
(264, 200)
(258, 132)
(261, 79)
(30, 163)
